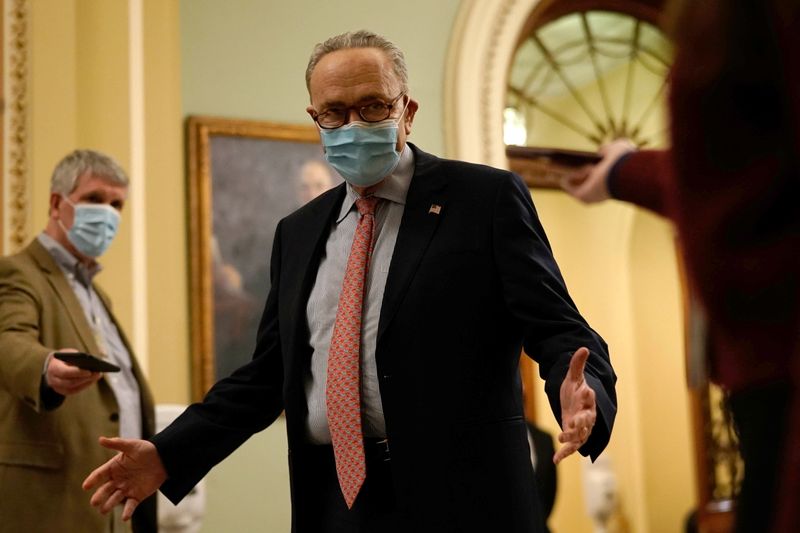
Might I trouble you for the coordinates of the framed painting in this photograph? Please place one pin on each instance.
(244, 176)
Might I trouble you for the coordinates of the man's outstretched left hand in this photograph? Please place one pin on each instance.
(578, 407)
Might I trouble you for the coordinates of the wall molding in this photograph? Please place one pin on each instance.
(483, 45)
(138, 163)
(16, 138)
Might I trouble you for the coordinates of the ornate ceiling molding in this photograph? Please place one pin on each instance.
(17, 123)
(483, 44)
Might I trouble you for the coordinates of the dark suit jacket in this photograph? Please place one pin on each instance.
(467, 288)
(46, 450)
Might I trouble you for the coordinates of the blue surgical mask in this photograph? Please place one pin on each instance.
(362, 152)
(93, 228)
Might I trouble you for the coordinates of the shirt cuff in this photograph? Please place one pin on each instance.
(49, 398)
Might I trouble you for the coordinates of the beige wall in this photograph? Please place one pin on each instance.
(166, 238)
(247, 58)
(82, 94)
(619, 263)
(620, 266)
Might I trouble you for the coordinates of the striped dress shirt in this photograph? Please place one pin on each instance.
(324, 300)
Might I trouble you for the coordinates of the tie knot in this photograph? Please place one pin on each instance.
(366, 206)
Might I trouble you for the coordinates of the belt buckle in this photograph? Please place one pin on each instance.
(385, 449)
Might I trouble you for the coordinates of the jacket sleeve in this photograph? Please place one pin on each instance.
(642, 178)
(22, 356)
(535, 292)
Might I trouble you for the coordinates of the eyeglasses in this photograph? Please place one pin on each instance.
(336, 117)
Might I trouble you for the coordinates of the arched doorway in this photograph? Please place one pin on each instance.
(632, 289)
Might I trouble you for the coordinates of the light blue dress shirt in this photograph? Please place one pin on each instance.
(324, 300)
(123, 383)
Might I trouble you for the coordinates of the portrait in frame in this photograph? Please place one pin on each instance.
(244, 177)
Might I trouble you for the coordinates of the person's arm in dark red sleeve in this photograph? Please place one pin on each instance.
(642, 178)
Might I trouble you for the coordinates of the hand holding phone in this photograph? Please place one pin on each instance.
(86, 361)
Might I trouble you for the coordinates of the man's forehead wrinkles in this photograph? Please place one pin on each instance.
(359, 99)
(349, 76)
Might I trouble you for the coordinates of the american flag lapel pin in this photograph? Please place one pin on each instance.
(435, 209)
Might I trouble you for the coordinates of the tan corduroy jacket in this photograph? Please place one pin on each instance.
(46, 453)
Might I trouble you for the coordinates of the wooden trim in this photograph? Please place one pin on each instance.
(536, 173)
(544, 167)
(17, 172)
(2, 129)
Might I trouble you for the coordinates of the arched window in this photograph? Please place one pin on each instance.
(584, 73)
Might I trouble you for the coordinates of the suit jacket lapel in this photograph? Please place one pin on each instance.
(425, 206)
(60, 285)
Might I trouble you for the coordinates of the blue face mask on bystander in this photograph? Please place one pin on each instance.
(93, 228)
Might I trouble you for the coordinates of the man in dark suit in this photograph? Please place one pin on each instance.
(394, 360)
(52, 412)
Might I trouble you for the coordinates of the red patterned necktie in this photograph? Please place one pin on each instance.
(343, 398)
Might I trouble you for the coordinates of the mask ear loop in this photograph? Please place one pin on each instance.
(61, 224)
(66, 199)
(405, 107)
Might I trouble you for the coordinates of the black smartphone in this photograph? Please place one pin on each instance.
(86, 361)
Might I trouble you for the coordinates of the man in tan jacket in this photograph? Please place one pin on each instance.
(51, 413)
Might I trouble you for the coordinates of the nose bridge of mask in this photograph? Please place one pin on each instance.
(98, 213)
(383, 124)
(362, 133)
(94, 212)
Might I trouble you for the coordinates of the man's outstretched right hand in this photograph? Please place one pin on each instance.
(128, 478)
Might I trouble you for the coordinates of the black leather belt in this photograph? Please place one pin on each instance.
(375, 449)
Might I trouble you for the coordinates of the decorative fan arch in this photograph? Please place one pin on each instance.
(584, 73)
(573, 55)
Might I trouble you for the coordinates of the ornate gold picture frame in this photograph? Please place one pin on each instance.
(244, 176)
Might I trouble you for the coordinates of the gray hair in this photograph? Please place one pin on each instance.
(360, 39)
(80, 162)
